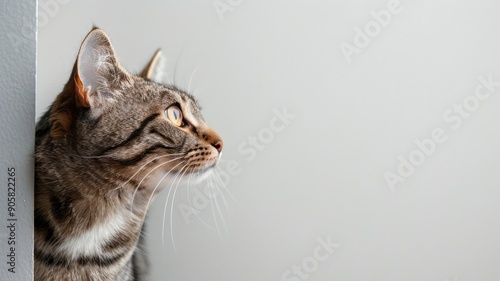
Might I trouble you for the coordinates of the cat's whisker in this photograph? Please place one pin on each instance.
(152, 170)
(188, 187)
(197, 174)
(166, 205)
(145, 234)
(213, 213)
(188, 190)
(219, 157)
(206, 224)
(172, 209)
(142, 167)
(220, 187)
(219, 212)
(222, 218)
(158, 184)
(220, 194)
(219, 179)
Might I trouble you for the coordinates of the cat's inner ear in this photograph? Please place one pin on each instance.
(156, 69)
(96, 69)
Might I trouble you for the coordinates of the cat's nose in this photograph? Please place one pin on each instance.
(218, 144)
(211, 137)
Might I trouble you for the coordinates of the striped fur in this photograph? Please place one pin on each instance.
(100, 149)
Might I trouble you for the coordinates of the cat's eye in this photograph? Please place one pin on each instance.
(174, 114)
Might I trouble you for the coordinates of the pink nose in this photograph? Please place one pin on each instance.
(218, 144)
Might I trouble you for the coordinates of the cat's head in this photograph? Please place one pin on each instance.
(129, 122)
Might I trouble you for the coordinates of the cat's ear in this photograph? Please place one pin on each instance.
(96, 70)
(93, 83)
(156, 69)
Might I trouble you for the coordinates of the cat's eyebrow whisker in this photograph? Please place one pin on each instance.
(191, 78)
(197, 92)
(177, 62)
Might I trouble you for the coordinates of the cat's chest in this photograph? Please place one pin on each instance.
(93, 241)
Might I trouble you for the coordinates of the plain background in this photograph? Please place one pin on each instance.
(322, 175)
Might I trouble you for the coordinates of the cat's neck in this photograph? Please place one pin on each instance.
(86, 196)
(83, 216)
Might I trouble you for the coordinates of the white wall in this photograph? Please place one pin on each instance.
(322, 176)
(17, 137)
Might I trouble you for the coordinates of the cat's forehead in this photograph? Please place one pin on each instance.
(150, 89)
(171, 92)
(165, 95)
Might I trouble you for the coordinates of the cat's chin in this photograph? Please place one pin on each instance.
(202, 175)
(205, 173)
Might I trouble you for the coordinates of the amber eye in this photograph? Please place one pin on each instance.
(175, 115)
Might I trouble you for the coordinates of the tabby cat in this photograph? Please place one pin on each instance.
(102, 149)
